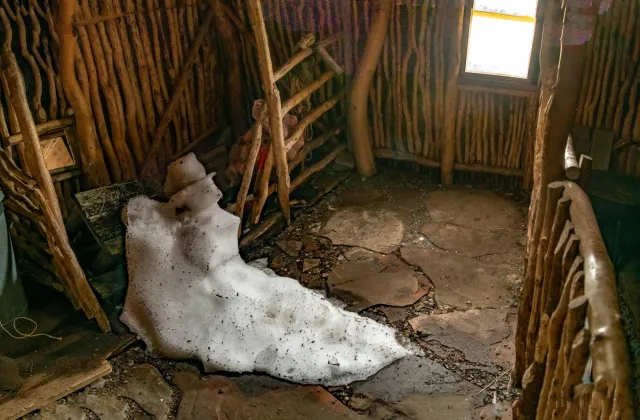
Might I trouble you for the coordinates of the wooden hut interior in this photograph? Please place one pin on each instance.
(288, 209)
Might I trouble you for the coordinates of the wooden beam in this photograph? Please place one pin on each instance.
(274, 105)
(42, 129)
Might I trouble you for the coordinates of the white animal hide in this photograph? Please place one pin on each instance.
(191, 296)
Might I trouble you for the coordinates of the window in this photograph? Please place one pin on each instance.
(502, 40)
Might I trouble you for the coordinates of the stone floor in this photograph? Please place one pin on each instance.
(443, 267)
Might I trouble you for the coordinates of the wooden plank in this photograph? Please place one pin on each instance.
(52, 369)
(581, 136)
(601, 146)
(101, 209)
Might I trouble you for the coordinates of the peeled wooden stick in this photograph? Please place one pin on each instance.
(93, 164)
(318, 166)
(305, 92)
(571, 167)
(302, 54)
(273, 103)
(554, 193)
(359, 125)
(34, 158)
(256, 141)
(316, 113)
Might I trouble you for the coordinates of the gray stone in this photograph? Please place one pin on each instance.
(146, 387)
(58, 411)
(499, 410)
(374, 227)
(394, 314)
(476, 209)
(436, 407)
(470, 242)
(310, 263)
(10, 378)
(464, 282)
(481, 335)
(292, 248)
(386, 281)
(413, 375)
(360, 254)
(105, 406)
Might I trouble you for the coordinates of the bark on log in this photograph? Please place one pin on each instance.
(454, 18)
(92, 161)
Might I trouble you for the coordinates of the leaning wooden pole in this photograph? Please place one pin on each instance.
(67, 266)
(92, 160)
(360, 132)
(272, 95)
(559, 116)
(34, 159)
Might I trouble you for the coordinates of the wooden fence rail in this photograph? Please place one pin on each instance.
(570, 337)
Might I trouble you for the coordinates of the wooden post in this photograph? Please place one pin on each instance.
(274, 105)
(455, 15)
(360, 132)
(92, 160)
(554, 127)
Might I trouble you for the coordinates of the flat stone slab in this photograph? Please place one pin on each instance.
(462, 281)
(147, 388)
(61, 412)
(394, 314)
(413, 375)
(482, 335)
(436, 407)
(475, 209)
(221, 398)
(105, 407)
(385, 280)
(376, 227)
(360, 254)
(470, 242)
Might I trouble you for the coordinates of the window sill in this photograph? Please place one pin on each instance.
(501, 86)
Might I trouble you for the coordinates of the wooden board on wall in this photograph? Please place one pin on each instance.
(601, 146)
(581, 136)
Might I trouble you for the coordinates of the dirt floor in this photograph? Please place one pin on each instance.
(443, 267)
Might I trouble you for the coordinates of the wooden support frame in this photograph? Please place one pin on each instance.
(279, 154)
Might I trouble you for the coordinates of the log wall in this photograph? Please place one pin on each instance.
(609, 97)
(128, 57)
(493, 129)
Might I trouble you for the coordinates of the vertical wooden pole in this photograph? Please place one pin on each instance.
(347, 49)
(93, 162)
(358, 121)
(273, 103)
(454, 21)
(553, 129)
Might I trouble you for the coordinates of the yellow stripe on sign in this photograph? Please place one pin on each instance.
(494, 15)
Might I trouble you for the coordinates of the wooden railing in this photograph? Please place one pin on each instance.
(571, 340)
